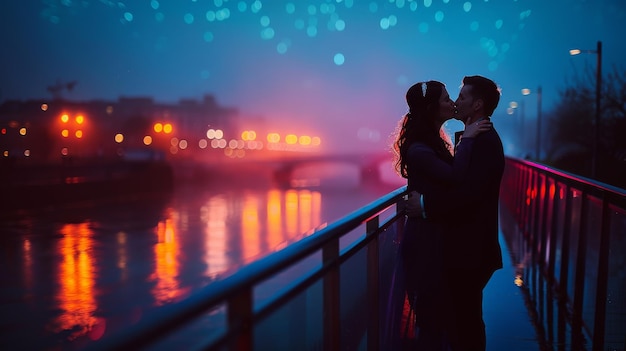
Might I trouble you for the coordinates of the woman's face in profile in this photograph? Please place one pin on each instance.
(446, 106)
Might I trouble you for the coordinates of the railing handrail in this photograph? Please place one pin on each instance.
(588, 185)
(171, 317)
(236, 289)
(572, 229)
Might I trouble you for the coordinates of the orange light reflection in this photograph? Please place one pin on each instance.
(291, 212)
(305, 211)
(167, 288)
(275, 235)
(289, 215)
(316, 209)
(122, 254)
(76, 281)
(28, 264)
(215, 214)
(250, 228)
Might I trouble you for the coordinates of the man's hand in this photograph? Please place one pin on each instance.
(413, 207)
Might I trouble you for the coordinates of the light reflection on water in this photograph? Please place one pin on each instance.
(167, 287)
(75, 295)
(76, 274)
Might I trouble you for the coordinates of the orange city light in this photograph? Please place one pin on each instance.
(248, 135)
(291, 139)
(273, 137)
(305, 140)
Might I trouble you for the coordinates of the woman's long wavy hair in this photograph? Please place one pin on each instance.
(418, 124)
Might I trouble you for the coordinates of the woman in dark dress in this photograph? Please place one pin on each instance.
(426, 157)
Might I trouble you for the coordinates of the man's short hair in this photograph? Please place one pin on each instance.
(484, 89)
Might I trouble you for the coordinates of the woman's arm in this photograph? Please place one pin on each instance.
(422, 159)
(485, 169)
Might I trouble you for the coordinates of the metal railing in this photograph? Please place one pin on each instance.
(333, 289)
(331, 298)
(570, 245)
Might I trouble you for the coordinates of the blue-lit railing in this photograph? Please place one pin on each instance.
(320, 293)
(570, 245)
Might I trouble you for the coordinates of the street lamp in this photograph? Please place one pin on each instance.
(526, 92)
(596, 137)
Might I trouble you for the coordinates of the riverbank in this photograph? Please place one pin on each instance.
(27, 186)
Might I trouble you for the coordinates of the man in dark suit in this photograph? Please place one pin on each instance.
(469, 212)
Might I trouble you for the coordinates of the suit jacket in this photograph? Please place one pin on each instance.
(469, 210)
(457, 137)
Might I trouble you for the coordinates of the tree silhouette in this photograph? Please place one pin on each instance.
(572, 127)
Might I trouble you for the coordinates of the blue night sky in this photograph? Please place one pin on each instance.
(339, 68)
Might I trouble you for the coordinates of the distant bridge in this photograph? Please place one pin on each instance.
(368, 164)
(281, 167)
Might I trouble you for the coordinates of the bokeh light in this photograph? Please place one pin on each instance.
(309, 61)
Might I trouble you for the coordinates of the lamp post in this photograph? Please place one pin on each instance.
(596, 134)
(526, 92)
(522, 117)
(538, 142)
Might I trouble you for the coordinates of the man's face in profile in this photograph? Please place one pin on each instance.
(464, 104)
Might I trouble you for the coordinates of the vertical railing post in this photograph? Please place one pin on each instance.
(563, 274)
(522, 199)
(603, 276)
(373, 320)
(553, 215)
(332, 313)
(579, 279)
(536, 216)
(541, 232)
(240, 318)
(544, 217)
(534, 235)
(523, 222)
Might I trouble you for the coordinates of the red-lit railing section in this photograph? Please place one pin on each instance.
(569, 243)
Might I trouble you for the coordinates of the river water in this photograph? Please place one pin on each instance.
(73, 274)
